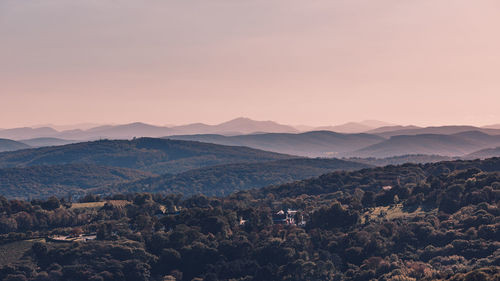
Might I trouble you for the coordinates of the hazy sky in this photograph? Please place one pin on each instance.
(299, 62)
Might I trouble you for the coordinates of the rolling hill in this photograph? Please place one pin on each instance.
(310, 144)
(27, 133)
(484, 153)
(439, 130)
(61, 180)
(402, 159)
(458, 144)
(41, 142)
(225, 179)
(10, 145)
(158, 156)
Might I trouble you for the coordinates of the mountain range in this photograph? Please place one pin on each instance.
(238, 126)
(189, 167)
(459, 144)
(330, 144)
(441, 130)
(310, 144)
(380, 139)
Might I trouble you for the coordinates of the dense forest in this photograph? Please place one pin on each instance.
(62, 180)
(76, 180)
(225, 179)
(402, 159)
(435, 221)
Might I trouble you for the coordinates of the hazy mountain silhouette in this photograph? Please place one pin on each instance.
(392, 129)
(484, 153)
(480, 138)
(10, 145)
(348, 128)
(40, 142)
(127, 131)
(494, 126)
(310, 144)
(236, 126)
(353, 127)
(77, 126)
(27, 133)
(158, 156)
(431, 144)
(444, 130)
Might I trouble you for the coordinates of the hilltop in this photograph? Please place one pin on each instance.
(10, 145)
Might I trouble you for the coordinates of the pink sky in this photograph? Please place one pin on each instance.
(298, 62)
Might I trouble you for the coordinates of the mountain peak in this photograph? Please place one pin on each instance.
(246, 125)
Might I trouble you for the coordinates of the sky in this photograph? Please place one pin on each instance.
(317, 62)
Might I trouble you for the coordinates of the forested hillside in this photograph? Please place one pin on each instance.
(61, 180)
(430, 144)
(436, 221)
(10, 145)
(35, 182)
(402, 159)
(484, 153)
(226, 179)
(157, 156)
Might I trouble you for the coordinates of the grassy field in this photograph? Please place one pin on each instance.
(14, 251)
(88, 205)
(390, 213)
(96, 205)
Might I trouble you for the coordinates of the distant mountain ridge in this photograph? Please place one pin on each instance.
(443, 130)
(396, 128)
(236, 126)
(309, 144)
(27, 133)
(494, 126)
(353, 127)
(484, 153)
(41, 142)
(459, 144)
